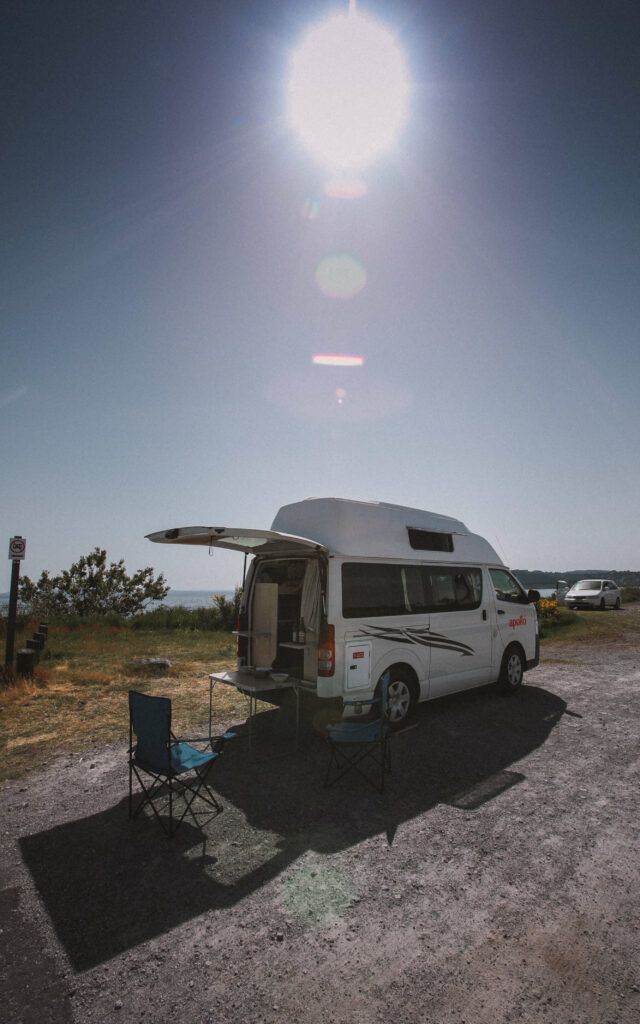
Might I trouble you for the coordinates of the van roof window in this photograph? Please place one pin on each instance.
(429, 540)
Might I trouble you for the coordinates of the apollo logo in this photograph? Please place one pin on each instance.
(518, 622)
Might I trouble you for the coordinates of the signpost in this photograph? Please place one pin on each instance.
(17, 547)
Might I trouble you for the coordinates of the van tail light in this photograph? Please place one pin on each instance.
(327, 653)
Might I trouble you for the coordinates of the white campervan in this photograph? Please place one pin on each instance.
(338, 592)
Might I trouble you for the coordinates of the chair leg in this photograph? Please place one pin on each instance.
(188, 789)
(195, 790)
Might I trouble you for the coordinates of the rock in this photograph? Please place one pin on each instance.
(153, 662)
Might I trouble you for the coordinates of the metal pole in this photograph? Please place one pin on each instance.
(13, 607)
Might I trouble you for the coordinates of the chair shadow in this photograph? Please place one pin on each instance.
(109, 884)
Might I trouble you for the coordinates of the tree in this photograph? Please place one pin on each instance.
(90, 587)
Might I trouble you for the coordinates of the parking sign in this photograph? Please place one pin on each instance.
(17, 548)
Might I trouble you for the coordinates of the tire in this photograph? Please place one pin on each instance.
(603, 606)
(512, 669)
(401, 697)
(617, 603)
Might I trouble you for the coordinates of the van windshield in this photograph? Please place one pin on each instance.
(588, 585)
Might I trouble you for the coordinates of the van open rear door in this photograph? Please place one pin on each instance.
(252, 542)
(264, 631)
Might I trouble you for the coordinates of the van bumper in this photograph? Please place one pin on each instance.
(536, 659)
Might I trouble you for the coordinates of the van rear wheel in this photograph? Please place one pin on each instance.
(512, 669)
(400, 698)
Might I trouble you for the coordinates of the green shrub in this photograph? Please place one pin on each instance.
(630, 595)
(547, 608)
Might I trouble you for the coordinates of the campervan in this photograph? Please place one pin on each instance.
(339, 592)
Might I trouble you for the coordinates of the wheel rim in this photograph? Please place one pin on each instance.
(514, 670)
(398, 700)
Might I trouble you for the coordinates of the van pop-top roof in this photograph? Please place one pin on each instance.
(355, 529)
(376, 529)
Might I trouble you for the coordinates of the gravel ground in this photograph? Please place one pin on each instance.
(495, 880)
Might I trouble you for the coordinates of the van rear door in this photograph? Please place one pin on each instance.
(252, 542)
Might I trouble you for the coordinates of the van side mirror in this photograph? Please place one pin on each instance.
(533, 595)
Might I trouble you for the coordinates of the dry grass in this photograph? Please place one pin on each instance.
(77, 699)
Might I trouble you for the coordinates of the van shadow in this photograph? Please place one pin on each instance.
(109, 884)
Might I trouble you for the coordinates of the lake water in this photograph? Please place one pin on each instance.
(192, 598)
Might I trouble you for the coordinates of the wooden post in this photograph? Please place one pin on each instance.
(13, 606)
(25, 662)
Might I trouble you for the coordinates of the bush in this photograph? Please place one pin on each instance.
(91, 587)
(630, 595)
(547, 608)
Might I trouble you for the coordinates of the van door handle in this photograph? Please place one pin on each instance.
(500, 612)
(484, 614)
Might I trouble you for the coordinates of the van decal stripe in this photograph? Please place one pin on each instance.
(421, 635)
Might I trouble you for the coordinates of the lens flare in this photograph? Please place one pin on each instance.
(311, 208)
(344, 187)
(338, 360)
(340, 276)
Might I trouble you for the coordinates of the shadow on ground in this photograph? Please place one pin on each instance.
(109, 884)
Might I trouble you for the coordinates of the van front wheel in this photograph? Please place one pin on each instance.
(400, 698)
(512, 669)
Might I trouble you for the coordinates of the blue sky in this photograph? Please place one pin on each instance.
(162, 229)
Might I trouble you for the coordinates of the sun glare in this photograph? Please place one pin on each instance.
(347, 91)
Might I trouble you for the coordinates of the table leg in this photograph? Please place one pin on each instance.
(211, 682)
(252, 705)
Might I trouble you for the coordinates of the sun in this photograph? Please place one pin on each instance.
(347, 91)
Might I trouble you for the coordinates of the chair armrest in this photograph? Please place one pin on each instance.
(205, 739)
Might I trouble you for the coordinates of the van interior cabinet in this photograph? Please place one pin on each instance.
(264, 624)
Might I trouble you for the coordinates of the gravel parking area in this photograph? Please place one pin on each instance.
(495, 880)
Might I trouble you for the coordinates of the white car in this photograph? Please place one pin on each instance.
(593, 594)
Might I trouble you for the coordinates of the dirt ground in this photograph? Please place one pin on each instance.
(495, 880)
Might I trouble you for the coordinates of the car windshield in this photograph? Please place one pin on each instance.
(588, 585)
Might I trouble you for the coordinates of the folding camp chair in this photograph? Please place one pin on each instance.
(353, 742)
(157, 753)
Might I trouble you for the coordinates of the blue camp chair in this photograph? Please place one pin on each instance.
(353, 742)
(175, 768)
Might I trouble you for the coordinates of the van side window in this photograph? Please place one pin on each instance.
(417, 589)
(469, 588)
(507, 587)
(454, 589)
(429, 540)
(370, 589)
